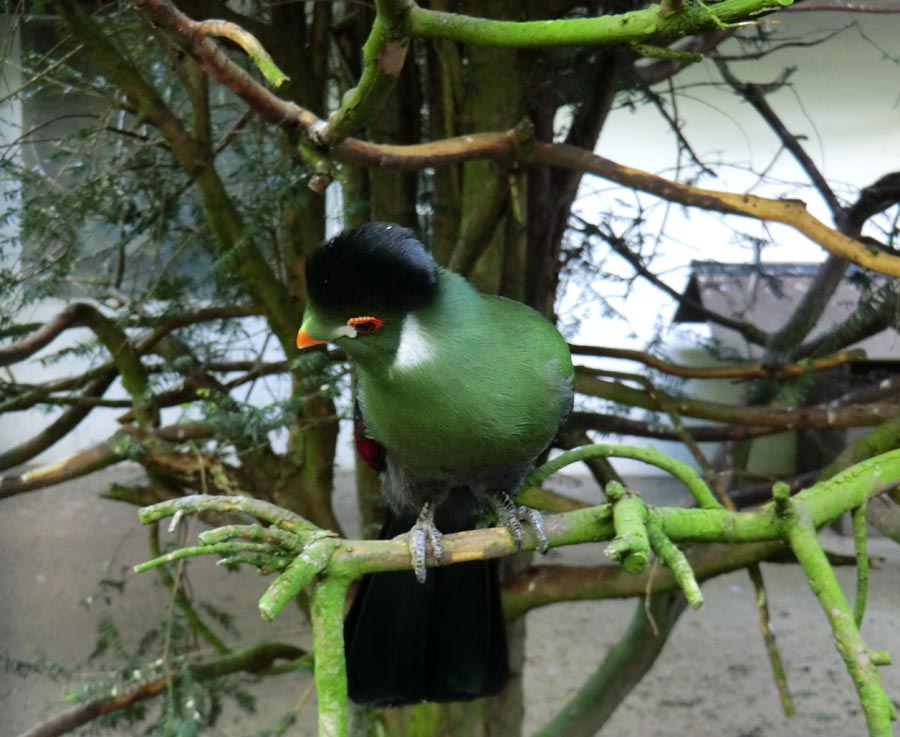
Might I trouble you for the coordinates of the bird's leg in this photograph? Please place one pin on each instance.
(423, 530)
(512, 516)
(508, 516)
(537, 522)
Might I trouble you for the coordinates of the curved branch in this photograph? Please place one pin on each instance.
(67, 318)
(413, 157)
(873, 199)
(251, 46)
(217, 64)
(792, 213)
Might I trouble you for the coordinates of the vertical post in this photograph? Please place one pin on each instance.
(327, 609)
(802, 537)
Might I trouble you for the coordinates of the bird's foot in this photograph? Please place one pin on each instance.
(512, 517)
(423, 532)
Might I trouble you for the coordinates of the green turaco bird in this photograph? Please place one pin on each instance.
(459, 392)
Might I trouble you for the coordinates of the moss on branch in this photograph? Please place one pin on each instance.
(631, 545)
(384, 54)
(325, 564)
(655, 23)
(800, 532)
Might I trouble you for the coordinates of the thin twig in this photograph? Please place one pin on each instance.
(862, 563)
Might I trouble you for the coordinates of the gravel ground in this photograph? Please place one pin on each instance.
(712, 678)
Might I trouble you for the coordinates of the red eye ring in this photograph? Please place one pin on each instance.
(366, 324)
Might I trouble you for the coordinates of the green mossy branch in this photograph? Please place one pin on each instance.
(684, 473)
(312, 561)
(327, 612)
(396, 21)
(630, 546)
(801, 534)
(325, 564)
(653, 23)
(384, 54)
(862, 563)
(676, 562)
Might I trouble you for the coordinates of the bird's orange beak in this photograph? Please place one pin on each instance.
(305, 340)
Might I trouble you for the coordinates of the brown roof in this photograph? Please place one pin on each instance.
(767, 294)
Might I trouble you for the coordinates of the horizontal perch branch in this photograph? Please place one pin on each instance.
(352, 558)
(328, 564)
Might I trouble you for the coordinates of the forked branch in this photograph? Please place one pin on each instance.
(326, 564)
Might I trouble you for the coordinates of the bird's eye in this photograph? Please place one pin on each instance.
(365, 325)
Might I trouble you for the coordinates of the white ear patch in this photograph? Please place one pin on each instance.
(415, 346)
(344, 331)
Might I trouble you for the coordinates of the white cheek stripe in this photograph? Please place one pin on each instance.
(415, 347)
(344, 331)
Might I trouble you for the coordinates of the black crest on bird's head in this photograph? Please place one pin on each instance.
(377, 267)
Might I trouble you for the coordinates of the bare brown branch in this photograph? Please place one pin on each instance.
(94, 458)
(789, 212)
(618, 425)
(589, 382)
(755, 370)
(70, 317)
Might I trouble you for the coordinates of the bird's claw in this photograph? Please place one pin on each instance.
(421, 534)
(537, 522)
(512, 516)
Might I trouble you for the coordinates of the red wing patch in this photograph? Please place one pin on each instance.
(369, 449)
